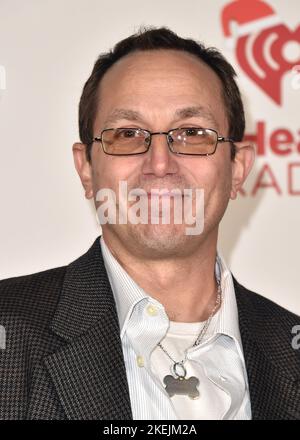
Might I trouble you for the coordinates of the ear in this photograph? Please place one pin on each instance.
(241, 166)
(84, 168)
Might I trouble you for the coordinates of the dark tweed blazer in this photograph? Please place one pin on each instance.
(63, 357)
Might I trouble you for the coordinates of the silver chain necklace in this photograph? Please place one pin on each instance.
(178, 384)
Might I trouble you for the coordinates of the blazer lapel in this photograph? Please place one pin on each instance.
(88, 370)
(273, 369)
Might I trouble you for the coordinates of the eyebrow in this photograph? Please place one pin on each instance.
(183, 113)
(121, 113)
(195, 111)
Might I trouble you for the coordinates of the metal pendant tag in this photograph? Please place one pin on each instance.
(183, 386)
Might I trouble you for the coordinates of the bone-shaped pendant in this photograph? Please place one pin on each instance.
(180, 385)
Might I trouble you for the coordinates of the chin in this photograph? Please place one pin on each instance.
(159, 240)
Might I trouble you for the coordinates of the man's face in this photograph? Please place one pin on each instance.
(158, 89)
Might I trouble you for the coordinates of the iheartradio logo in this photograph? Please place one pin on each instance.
(265, 47)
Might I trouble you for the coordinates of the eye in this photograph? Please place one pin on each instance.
(127, 133)
(193, 131)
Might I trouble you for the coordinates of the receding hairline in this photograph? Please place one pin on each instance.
(185, 112)
(153, 52)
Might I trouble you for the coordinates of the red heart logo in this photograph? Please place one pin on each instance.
(261, 44)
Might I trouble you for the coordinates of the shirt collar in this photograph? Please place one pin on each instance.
(127, 293)
(228, 322)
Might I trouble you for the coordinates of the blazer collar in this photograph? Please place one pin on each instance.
(88, 371)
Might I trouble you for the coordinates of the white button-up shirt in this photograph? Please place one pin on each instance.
(218, 361)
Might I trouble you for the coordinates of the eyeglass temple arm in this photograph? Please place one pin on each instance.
(97, 139)
(225, 139)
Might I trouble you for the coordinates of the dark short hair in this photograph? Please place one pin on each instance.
(151, 38)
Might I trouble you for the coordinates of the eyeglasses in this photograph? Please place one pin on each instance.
(186, 140)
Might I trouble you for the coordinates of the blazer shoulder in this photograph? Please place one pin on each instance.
(270, 330)
(263, 307)
(31, 297)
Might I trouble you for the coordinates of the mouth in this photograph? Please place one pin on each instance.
(163, 193)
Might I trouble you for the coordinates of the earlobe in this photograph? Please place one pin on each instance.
(241, 166)
(233, 194)
(83, 168)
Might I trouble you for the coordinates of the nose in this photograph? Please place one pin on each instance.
(159, 160)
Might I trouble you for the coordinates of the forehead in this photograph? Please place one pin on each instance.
(160, 81)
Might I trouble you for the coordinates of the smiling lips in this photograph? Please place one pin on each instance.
(163, 193)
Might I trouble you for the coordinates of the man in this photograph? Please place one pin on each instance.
(150, 323)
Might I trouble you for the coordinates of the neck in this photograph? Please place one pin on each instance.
(186, 287)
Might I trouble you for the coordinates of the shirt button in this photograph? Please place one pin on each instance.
(140, 361)
(151, 310)
(223, 379)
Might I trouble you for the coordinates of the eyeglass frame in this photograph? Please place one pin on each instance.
(220, 139)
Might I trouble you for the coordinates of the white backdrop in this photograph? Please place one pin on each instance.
(47, 50)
